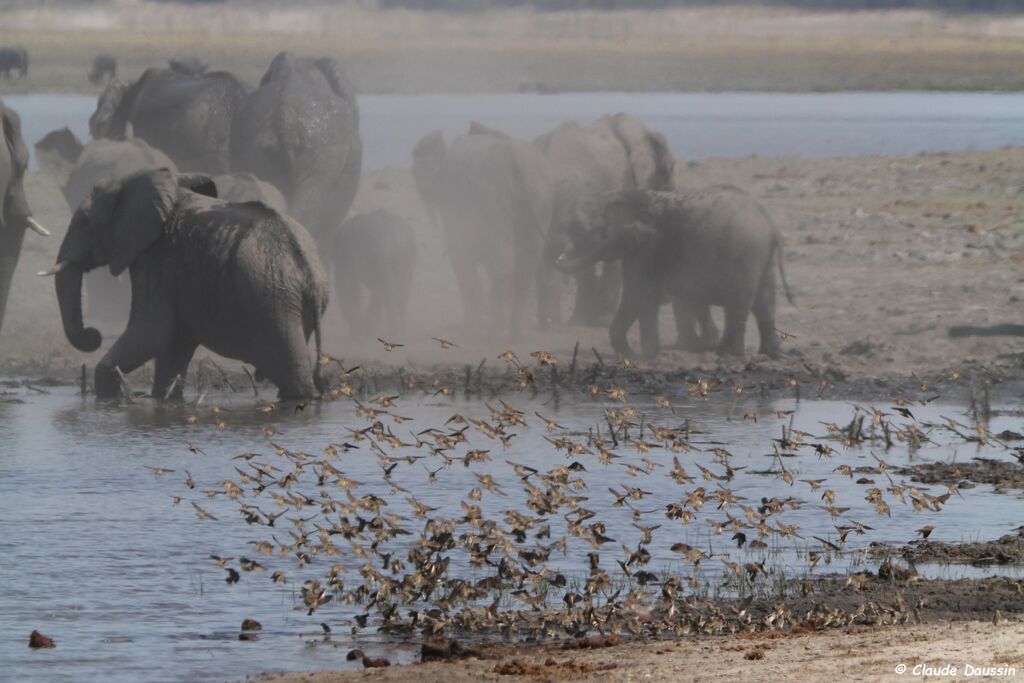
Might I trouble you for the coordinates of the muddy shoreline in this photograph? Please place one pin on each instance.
(828, 613)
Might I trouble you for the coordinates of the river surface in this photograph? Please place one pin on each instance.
(697, 125)
(98, 555)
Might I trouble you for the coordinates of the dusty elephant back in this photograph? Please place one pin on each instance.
(187, 117)
(300, 132)
(251, 250)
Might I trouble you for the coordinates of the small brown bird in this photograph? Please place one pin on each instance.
(389, 346)
(203, 514)
(926, 531)
(445, 344)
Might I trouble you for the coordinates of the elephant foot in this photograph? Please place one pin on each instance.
(106, 383)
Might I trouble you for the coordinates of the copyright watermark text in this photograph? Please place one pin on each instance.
(966, 670)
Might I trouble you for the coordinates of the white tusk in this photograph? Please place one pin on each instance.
(56, 269)
(34, 224)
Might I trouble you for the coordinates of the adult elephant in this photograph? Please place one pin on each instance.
(493, 196)
(240, 279)
(13, 59)
(300, 132)
(373, 256)
(184, 114)
(713, 247)
(15, 214)
(98, 162)
(616, 152)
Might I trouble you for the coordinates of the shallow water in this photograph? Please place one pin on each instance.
(96, 555)
(696, 125)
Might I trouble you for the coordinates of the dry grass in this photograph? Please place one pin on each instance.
(405, 51)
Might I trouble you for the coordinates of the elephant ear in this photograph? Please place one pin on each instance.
(279, 65)
(200, 183)
(650, 161)
(336, 77)
(144, 205)
(103, 122)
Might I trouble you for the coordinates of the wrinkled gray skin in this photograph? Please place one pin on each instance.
(104, 67)
(13, 59)
(299, 131)
(96, 163)
(714, 247)
(239, 279)
(374, 255)
(186, 116)
(616, 152)
(245, 187)
(493, 197)
(14, 208)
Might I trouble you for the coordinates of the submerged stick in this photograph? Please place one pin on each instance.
(125, 389)
(224, 376)
(252, 381)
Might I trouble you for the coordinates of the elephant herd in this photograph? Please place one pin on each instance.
(224, 206)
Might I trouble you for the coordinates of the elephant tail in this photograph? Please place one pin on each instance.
(782, 270)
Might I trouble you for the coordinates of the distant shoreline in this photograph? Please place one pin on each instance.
(406, 52)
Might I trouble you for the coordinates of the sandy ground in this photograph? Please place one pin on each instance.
(852, 654)
(883, 255)
(732, 48)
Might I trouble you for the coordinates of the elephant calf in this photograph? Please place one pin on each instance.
(714, 247)
(374, 255)
(240, 279)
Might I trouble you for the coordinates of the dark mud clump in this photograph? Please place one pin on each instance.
(1008, 550)
(999, 473)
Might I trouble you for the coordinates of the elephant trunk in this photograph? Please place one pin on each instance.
(10, 248)
(69, 296)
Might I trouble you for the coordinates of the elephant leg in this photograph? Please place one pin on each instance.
(697, 330)
(707, 329)
(170, 365)
(587, 307)
(139, 343)
(686, 320)
(630, 306)
(764, 313)
(285, 362)
(649, 341)
(736, 314)
(609, 288)
(547, 296)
